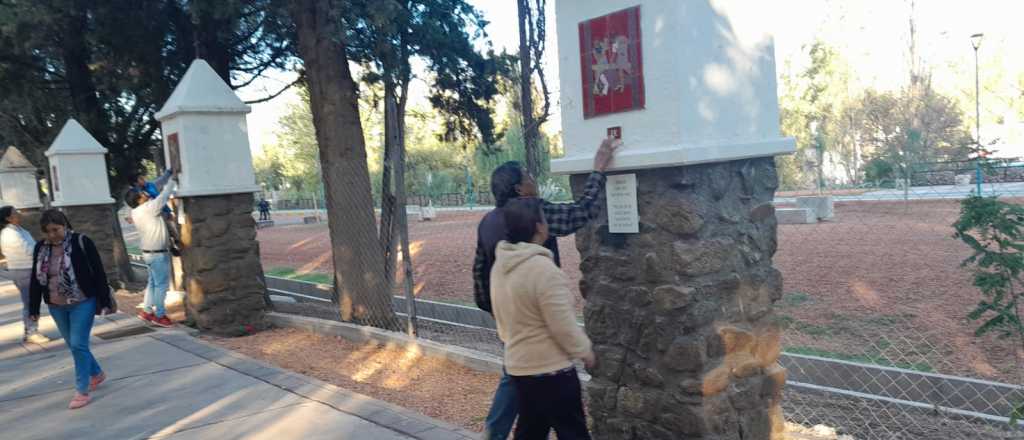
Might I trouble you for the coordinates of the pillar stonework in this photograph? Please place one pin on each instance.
(225, 287)
(206, 141)
(97, 223)
(681, 313)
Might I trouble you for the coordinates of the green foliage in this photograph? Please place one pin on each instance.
(880, 171)
(111, 64)
(292, 274)
(913, 126)
(993, 230)
(385, 35)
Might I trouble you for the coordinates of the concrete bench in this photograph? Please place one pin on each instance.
(428, 213)
(822, 206)
(414, 211)
(310, 220)
(260, 224)
(795, 216)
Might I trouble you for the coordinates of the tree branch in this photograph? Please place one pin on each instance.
(279, 92)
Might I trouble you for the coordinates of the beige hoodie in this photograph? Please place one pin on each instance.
(533, 307)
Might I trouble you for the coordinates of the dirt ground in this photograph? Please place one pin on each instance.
(416, 381)
(432, 386)
(881, 282)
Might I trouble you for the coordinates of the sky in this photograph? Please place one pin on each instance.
(872, 34)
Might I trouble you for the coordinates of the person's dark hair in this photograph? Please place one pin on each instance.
(133, 198)
(504, 180)
(134, 178)
(522, 215)
(53, 217)
(5, 212)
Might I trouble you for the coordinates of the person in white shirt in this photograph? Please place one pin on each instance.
(17, 245)
(154, 240)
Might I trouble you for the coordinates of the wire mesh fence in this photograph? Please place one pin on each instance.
(877, 343)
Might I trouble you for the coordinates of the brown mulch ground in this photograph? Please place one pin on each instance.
(461, 396)
(432, 386)
(880, 281)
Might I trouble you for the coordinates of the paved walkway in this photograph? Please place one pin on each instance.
(168, 384)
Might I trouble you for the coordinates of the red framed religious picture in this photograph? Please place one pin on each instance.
(612, 63)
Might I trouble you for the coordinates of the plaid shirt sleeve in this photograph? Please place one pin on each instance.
(566, 218)
(481, 281)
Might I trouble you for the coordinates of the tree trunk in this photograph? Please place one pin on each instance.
(359, 283)
(87, 108)
(207, 29)
(531, 132)
(388, 205)
(397, 125)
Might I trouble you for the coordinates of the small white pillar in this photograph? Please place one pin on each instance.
(206, 137)
(78, 168)
(18, 184)
(78, 173)
(681, 83)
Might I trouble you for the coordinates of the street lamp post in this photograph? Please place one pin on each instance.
(976, 43)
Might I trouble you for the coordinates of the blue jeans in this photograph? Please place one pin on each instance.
(504, 410)
(21, 278)
(75, 325)
(159, 266)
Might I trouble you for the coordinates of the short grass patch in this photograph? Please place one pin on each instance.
(291, 274)
(870, 357)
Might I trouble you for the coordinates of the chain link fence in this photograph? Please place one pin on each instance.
(877, 343)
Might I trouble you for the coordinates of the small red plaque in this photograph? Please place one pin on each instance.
(615, 132)
(612, 63)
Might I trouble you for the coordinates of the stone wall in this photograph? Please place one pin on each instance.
(681, 313)
(225, 288)
(97, 223)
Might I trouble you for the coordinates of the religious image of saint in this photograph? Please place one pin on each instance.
(611, 62)
(611, 65)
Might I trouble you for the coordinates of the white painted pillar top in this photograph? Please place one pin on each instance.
(205, 135)
(18, 185)
(78, 168)
(682, 82)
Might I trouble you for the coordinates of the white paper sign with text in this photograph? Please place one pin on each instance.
(623, 217)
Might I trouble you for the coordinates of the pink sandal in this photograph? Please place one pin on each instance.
(96, 380)
(79, 401)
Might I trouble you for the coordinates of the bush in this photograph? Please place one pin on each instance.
(881, 171)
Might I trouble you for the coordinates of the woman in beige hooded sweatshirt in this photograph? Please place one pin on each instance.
(533, 307)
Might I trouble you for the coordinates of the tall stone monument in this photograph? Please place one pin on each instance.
(20, 189)
(78, 177)
(206, 139)
(677, 271)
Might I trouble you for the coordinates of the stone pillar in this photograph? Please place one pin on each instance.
(78, 173)
(97, 223)
(206, 140)
(20, 189)
(225, 287)
(681, 313)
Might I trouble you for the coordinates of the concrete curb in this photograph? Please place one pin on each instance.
(462, 356)
(396, 418)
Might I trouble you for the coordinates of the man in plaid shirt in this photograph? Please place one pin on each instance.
(511, 181)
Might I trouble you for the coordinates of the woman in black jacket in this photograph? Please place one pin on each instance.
(68, 274)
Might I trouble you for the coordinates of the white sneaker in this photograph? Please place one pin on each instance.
(37, 338)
